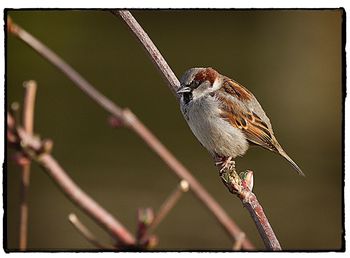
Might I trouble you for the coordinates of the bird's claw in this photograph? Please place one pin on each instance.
(225, 164)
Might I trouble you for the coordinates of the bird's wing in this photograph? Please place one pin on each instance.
(237, 105)
(239, 115)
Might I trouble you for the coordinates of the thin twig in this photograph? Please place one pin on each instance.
(145, 216)
(241, 186)
(38, 150)
(165, 208)
(64, 67)
(168, 204)
(84, 201)
(152, 50)
(28, 121)
(137, 126)
(85, 232)
(28, 106)
(238, 244)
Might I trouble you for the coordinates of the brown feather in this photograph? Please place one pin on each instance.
(234, 88)
(256, 131)
(208, 74)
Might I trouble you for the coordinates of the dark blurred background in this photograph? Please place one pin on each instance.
(290, 59)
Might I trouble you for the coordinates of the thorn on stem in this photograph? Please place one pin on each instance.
(46, 147)
(115, 122)
(20, 159)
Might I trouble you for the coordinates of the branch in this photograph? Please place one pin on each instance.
(38, 150)
(241, 186)
(28, 121)
(145, 217)
(82, 229)
(177, 167)
(148, 222)
(28, 106)
(127, 118)
(168, 204)
(155, 55)
(59, 63)
(238, 244)
(250, 201)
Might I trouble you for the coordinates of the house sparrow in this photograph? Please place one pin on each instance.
(225, 117)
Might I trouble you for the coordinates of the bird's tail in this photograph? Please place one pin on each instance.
(285, 155)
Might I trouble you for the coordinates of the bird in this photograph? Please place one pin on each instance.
(225, 117)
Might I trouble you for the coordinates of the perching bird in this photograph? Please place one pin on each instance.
(225, 117)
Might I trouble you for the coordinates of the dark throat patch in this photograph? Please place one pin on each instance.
(187, 97)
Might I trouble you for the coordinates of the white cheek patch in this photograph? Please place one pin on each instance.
(200, 91)
(217, 84)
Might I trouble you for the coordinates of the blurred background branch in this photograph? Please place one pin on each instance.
(28, 125)
(87, 234)
(128, 119)
(291, 59)
(39, 150)
(168, 204)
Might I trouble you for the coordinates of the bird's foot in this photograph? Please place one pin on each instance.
(225, 163)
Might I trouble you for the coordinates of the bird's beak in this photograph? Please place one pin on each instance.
(184, 89)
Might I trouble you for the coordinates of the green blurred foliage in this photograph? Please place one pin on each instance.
(290, 59)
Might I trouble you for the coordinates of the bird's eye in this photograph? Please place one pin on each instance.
(195, 83)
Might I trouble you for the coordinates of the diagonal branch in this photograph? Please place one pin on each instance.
(36, 149)
(152, 50)
(173, 84)
(130, 120)
(242, 186)
(64, 67)
(82, 229)
(262, 223)
(85, 202)
(169, 204)
(247, 197)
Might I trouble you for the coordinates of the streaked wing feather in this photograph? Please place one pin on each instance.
(256, 130)
(260, 136)
(235, 89)
(239, 115)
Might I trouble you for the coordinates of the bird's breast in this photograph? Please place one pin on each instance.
(215, 134)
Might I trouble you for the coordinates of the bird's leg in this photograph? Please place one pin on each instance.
(224, 163)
